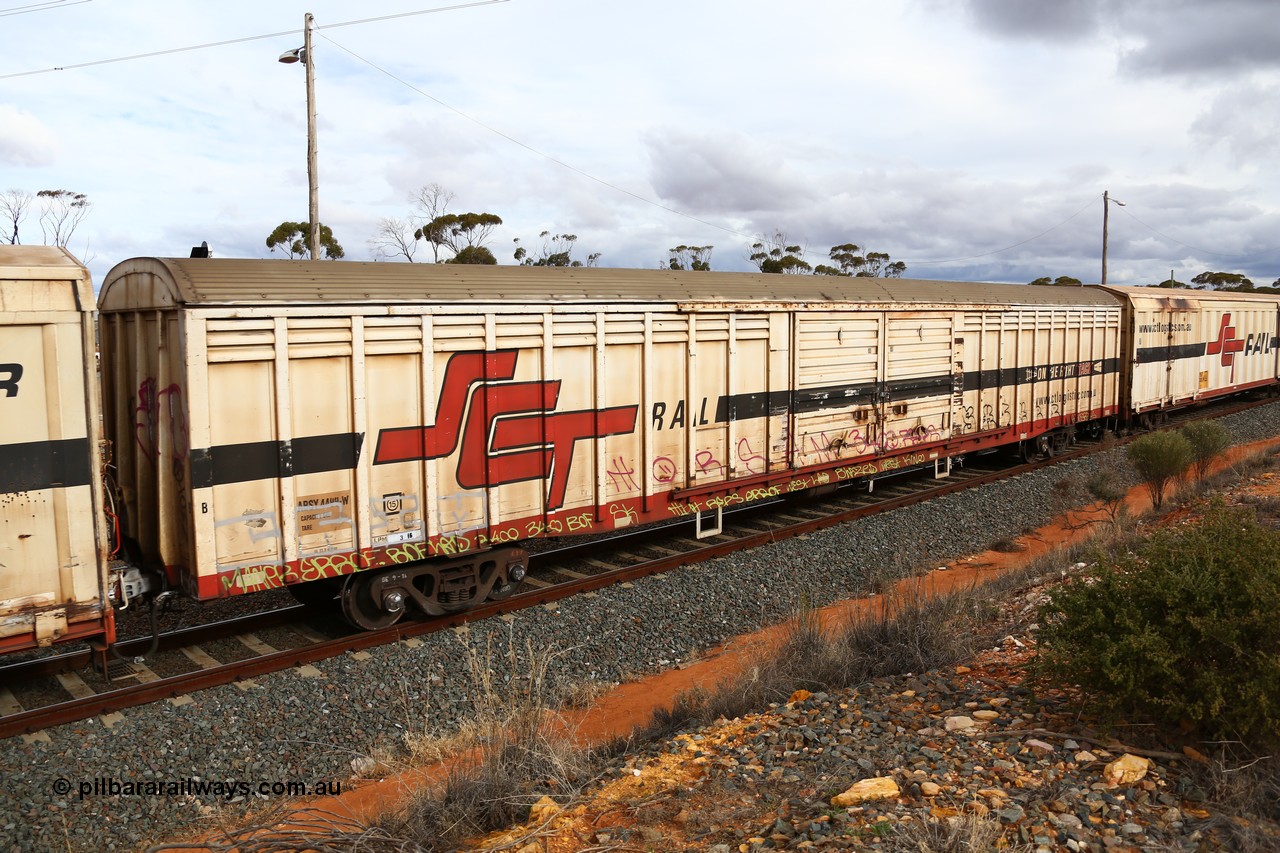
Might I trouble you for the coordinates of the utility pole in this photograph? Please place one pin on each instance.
(1107, 201)
(313, 177)
(303, 55)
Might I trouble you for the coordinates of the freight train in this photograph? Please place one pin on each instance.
(389, 435)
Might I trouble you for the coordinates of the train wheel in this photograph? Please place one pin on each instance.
(515, 573)
(369, 606)
(502, 591)
(319, 594)
(1037, 448)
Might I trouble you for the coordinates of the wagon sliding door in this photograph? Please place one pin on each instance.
(918, 380)
(835, 413)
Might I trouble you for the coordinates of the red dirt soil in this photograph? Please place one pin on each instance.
(629, 706)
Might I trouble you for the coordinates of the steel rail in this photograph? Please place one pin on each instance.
(141, 694)
(27, 670)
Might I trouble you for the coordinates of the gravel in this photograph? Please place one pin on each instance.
(292, 728)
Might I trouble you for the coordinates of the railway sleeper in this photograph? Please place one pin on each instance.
(378, 598)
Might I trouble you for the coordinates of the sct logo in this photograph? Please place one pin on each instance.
(10, 374)
(503, 431)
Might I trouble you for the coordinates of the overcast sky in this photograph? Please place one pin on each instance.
(972, 139)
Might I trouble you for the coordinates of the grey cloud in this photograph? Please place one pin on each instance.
(725, 175)
(1188, 37)
(1061, 20)
(1159, 37)
(1245, 121)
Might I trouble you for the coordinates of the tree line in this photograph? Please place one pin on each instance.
(1228, 282)
(59, 213)
(462, 238)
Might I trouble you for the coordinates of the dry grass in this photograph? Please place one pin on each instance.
(911, 631)
(1244, 791)
(513, 752)
(967, 834)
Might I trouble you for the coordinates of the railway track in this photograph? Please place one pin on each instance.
(554, 575)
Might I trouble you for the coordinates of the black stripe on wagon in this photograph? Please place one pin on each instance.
(35, 465)
(1149, 355)
(741, 407)
(745, 407)
(271, 460)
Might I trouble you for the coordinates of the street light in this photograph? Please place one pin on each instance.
(1107, 201)
(305, 55)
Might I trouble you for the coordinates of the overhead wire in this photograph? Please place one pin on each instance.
(1164, 236)
(245, 39)
(1015, 245)
(40, 7)
(51, 4)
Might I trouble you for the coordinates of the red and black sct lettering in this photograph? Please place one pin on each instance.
(503, 431)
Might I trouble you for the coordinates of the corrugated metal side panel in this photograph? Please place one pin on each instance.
(1035, 370)
(918, 379)
(52, 539)
(328, 438)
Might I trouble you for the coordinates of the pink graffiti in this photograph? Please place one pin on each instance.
(756, 464)
(148, 416)
(621, 477)
(706, 461)
(663, 469)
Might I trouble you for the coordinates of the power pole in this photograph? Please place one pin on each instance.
(313, 178)
(1107, 201)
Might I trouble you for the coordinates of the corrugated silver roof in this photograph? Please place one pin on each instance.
(1188, 296)
(158, 282)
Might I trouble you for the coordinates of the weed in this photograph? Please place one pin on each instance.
(965, 834)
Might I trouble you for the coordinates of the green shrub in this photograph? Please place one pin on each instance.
(1207, 439)
(1161, 459)
(1186, 630)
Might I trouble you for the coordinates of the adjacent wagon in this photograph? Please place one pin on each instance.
(53, 554)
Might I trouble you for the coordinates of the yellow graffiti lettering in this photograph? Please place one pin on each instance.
(406, 553)
(623, 515)
(450, 545)
(578, 522)
(761, 494)
(498, 537)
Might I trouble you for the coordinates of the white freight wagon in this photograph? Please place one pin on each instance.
(53, 554)
(399, 429)
(1190, 345)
